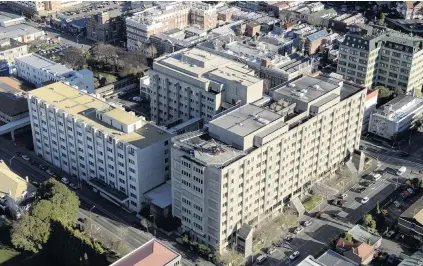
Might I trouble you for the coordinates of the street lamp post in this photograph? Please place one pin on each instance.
(154, 221)
(10, 161)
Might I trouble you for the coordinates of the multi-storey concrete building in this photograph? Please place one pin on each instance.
(166, 16)
(106, 27)
(38, 70)
(9, 50)
(195, 83)
(119, 155)
(248, 163)
(373, 56)
(395, 116)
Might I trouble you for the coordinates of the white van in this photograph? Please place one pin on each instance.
(261, 259)
(401, 170)
(376, 177)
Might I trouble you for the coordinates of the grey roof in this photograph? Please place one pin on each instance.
(12, 101)
(360, 234)
(331, 258)
(245, 119)
(160, 196)
(414, 260)
(414, 209)
(317, 35)
(307, 89)
(18, 30)
(245, 231)
(40, 62)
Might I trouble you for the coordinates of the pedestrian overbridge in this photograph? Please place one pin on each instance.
(12, 126)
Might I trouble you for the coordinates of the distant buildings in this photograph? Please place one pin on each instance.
(38, 70)
(166, 16)
(106, 27)
(270, 56)
(314, 41)
(195, 83)
(252, 160)
(413, 9)
(395, 116)
(152, 253)
(119, 155)
(9, 50)
(42, 8)
(377, 56)
(411, 220)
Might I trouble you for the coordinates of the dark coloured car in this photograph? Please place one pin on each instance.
(19, 153)
(34, 163)
(42, 167)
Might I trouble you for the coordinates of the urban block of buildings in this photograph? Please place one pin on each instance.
(152, 253)
(251, 161)
(38, 70)
(270, 57)
(14, 105)
(118, 154)
(195, 83)
(42, 8)
(9, 50)
(411, 220)
(166, 16)
(395, 116)
(376, 56)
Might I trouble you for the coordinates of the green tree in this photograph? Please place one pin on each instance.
(65, 204)
(380, 17)
(30, 233)
(377, 207)
(369, 222)
(348, 236)
(384, 93)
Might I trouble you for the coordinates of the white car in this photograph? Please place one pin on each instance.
(299, 229)
(343, 196)
(401, 170)
(307, 223)
(397, 204)
(271, 250)
(64, 180)
(261, 259)
(364, 200)
(25, 157)
(73, 186)
(294, 255)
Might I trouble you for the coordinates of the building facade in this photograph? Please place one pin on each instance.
(38, 70)
(248, 163)
(395, 116)
(119, 155)
(195, 83)
(376, 56)
(103, 28)
(10, 49)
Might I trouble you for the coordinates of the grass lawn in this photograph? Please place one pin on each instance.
(7, 254)
(311, 202)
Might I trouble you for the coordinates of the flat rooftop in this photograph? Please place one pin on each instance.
(152, 253)
(245, 120)
(12, 100)
(400, 107)
(332, 258)
(160, 196)
(307, 89)
(16, 31)
(37, 61)
(84, 106)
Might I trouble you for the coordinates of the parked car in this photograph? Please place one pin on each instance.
(339, 202)
(397, 204)
(73, 186)
(298, 230)
(390, 233)
(271, 250)
(294, 255)
(19, 153)
(34, 163)
(364, 200)
(82, 220)
(343, 196)
(261, 259)
(376, 176)
(25, 157)
(42, 167)
(401, 170)
(361, 189)
(64, 180)
(307, 223)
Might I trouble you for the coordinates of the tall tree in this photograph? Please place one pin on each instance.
(74, 58)
(30, 233)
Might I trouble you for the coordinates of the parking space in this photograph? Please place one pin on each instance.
(131, 101)
(54, 53)
(94, 8)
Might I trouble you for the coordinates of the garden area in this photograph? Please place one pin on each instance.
(312, 202)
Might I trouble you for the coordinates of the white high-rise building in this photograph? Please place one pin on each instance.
(194, 83)
(248, 163)
(116, 153)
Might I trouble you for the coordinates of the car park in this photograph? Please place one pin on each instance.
(64, 180)
(298, 230)
(260, 259)
(294, 255)
(364, 200)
